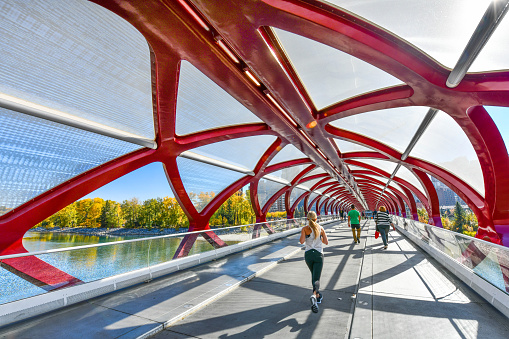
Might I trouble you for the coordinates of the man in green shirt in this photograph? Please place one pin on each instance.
(354, 221)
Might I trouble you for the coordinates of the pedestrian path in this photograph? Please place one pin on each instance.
(147, 308)
(276, 304)
(404, 293)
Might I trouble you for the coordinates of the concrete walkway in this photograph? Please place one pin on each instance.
(404, 293)
(146, 309)
(276, 304)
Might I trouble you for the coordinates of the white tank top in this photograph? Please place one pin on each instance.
(313, 243)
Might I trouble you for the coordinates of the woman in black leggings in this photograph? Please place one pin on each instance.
(314, 236)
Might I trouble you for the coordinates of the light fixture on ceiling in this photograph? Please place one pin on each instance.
(194, 15)
(278, 106)
(252, 77)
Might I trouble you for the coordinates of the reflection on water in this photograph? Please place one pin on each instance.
(95, 263)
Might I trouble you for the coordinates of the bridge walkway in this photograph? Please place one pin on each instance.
(402, 293)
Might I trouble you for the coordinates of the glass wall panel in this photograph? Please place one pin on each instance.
(203, 105)
(445, 144)
(311, 183)
(394, 127)
(377, 177)
(295, 194)
(346, 146)
(500, 116)
(439, 28)
(37, 155)
(266, 189)
(492, 57)
(203, 182)
(289, 152)
(328, 74)
(384, 165)
(311, 198)
(243, 152)
(317, 170)
(78, 58)
(289, 173)
(405, 174)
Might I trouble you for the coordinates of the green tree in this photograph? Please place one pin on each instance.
(459, 218)
(111, 215)
(130, 211)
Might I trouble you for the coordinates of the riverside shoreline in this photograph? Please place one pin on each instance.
(111, 231)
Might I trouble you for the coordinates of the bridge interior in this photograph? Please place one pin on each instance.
(264, 292)
(313, 105)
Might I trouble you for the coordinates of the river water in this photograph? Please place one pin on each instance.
(98, 262)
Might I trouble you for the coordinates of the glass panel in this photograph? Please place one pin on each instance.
(500, 116)
(384, 165)
(80, 59)
(394, 127)
(289, 173)
(243, 152)
(445, 144)
(266, 189)
(405, 174)
(377, 177)
(492, 57)
(439, 28)
(202, 181)
(311, 183)
(311, 198)
(148, 182)
(346, 146)
(331, 75)
(317, 170)
(446, 196)
(203, 105)
(289, 152)
(296, 193)
(485, 259)
(394, 185)
(37, 154)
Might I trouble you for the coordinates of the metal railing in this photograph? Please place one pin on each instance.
(98, 261)
(487, 260)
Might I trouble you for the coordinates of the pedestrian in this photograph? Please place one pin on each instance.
(354, 221)
(314, 236)
(382, 225)
(344, 215)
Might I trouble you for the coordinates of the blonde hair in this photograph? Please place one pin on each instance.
(312, 223)
(383, 209)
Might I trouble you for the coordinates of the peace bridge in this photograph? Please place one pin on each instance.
(316, 104)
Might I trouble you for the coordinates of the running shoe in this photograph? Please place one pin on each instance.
(319, 299)
(314, 305)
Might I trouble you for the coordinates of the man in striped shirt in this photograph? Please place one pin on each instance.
(383, 221)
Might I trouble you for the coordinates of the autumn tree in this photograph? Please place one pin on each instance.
(459, 218)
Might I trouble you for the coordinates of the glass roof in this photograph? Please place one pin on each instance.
(379, 178)
(289, 152)
(289, 173)
(394, 127)
(311, 183)
(405, 174)
(243, 152)
(203, 181)
(80, 59)
(328, 74)
(445, 144)
(440, 28)
(266, 189)
(492, 57)
(37, 155)
(384, 165)
(347, 146)
(316, 171)
(203, 105)
(296, 193)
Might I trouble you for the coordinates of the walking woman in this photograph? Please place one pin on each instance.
(382, 225)
(314, 236)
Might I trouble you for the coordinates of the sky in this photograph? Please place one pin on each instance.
(150, 181)
(144, 183)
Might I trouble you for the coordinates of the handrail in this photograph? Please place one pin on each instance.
(461, 235)
(65, 249)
